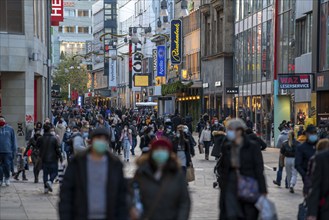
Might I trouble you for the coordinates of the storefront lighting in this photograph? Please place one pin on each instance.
(190, 98)
(198, 97)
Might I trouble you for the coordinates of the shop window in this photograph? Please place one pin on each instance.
(324, 37)
(12, 19)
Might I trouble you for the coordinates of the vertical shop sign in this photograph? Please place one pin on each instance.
(176, 42)
(161, 61)
(57, 12)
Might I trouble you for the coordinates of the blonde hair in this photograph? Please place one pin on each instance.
(291, 137)
(322, 145)
(21, 150)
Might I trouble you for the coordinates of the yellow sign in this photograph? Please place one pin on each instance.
(141, 80)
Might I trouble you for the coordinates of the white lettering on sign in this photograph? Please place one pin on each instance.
(56, 8)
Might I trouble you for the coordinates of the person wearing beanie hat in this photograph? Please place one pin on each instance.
(239, 155)
(94, 179)
(161, 185)
(306, 150)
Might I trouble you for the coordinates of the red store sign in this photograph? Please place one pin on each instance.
(57, 12)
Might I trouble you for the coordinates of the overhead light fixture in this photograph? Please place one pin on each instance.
(164, 7)
(184, 12)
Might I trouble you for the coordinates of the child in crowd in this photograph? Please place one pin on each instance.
(21, 163)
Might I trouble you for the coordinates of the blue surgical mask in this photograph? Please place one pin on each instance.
(160, 156)
(230, 135)
(313, 138)
(100, 146)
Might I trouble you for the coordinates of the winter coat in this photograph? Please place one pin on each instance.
(7, 140)
(73, 203)
(255, 138)
(175, 142)
(174, 202)
(219, 140)
(205, 135)
(303, 154)
(289, 151)
(251, 165)
(282, 138)
(319, 192)
(48, 148)
(60, 131)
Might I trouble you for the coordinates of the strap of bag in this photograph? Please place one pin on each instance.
(157, 199)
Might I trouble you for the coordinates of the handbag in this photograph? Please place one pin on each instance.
(302, 210)
(248, 189)
(190, 173)
(266, 208)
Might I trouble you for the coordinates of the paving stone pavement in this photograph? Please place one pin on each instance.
(25, 200)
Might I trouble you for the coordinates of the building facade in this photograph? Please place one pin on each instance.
(70, 37)
(24, 63)
(217, 56)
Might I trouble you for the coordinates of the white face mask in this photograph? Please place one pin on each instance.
(231, 135)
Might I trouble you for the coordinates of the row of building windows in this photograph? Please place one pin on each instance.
(245, 8)
(76, 13)
(74, 29)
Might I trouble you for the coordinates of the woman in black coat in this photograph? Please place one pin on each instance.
(241, 154)
(219, 140)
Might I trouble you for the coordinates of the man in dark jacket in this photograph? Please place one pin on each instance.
(93, 185)
(50, 152)
(306, 150)
(252, 136)
(318, 199)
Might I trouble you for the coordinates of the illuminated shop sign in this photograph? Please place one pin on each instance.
(293, 81)
(176, 42)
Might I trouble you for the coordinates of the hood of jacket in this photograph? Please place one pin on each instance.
(215, 133)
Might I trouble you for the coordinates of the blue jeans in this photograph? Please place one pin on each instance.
(134, 140)
(50, 171)
(279, 176)
(5, 165)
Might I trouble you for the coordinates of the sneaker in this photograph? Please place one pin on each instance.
(46, 191)
(128, 160)
(276, 183)
(291, 190)
(24, 179)
(49, 186)
(7, 182)
(36, 180)
(16, 178)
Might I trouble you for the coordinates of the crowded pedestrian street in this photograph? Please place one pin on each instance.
(26, 200)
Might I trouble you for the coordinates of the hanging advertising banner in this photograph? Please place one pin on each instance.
(112, 69)
(176, 52)
(155, 61)
(130, 65)
(294, 81)
(137, 67)
(57, 12)
(141, 80)
(161, 60)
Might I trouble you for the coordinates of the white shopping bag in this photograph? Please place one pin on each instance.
(266, 208)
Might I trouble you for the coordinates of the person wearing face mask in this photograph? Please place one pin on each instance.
(162, 184)
(8, 146)
(188, 135)
(240, 156)
(126, 140)
(182, 148)
(31, 145)
(93, 185)
(66, 139)
(49, 153)
(168, 133)
(146, 139)
(306, 150)
(77, 142)
(205, 139)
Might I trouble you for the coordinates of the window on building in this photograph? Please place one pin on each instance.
(69, 29)
(11, 16)
(69, 12)
(220, 33)
(304, 35)
(60, 29)
(83, 13)
(83, 30)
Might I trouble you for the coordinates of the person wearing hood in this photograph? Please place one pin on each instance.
(282, 138)
(255, 138)
(306, 150)
(160, 184)
(205, 139)
(219, 140)
(94, 186)
(8, 148)
(241, 157)
(37, 165)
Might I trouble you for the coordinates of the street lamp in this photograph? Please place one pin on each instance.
(184, 12)
(164, 8)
